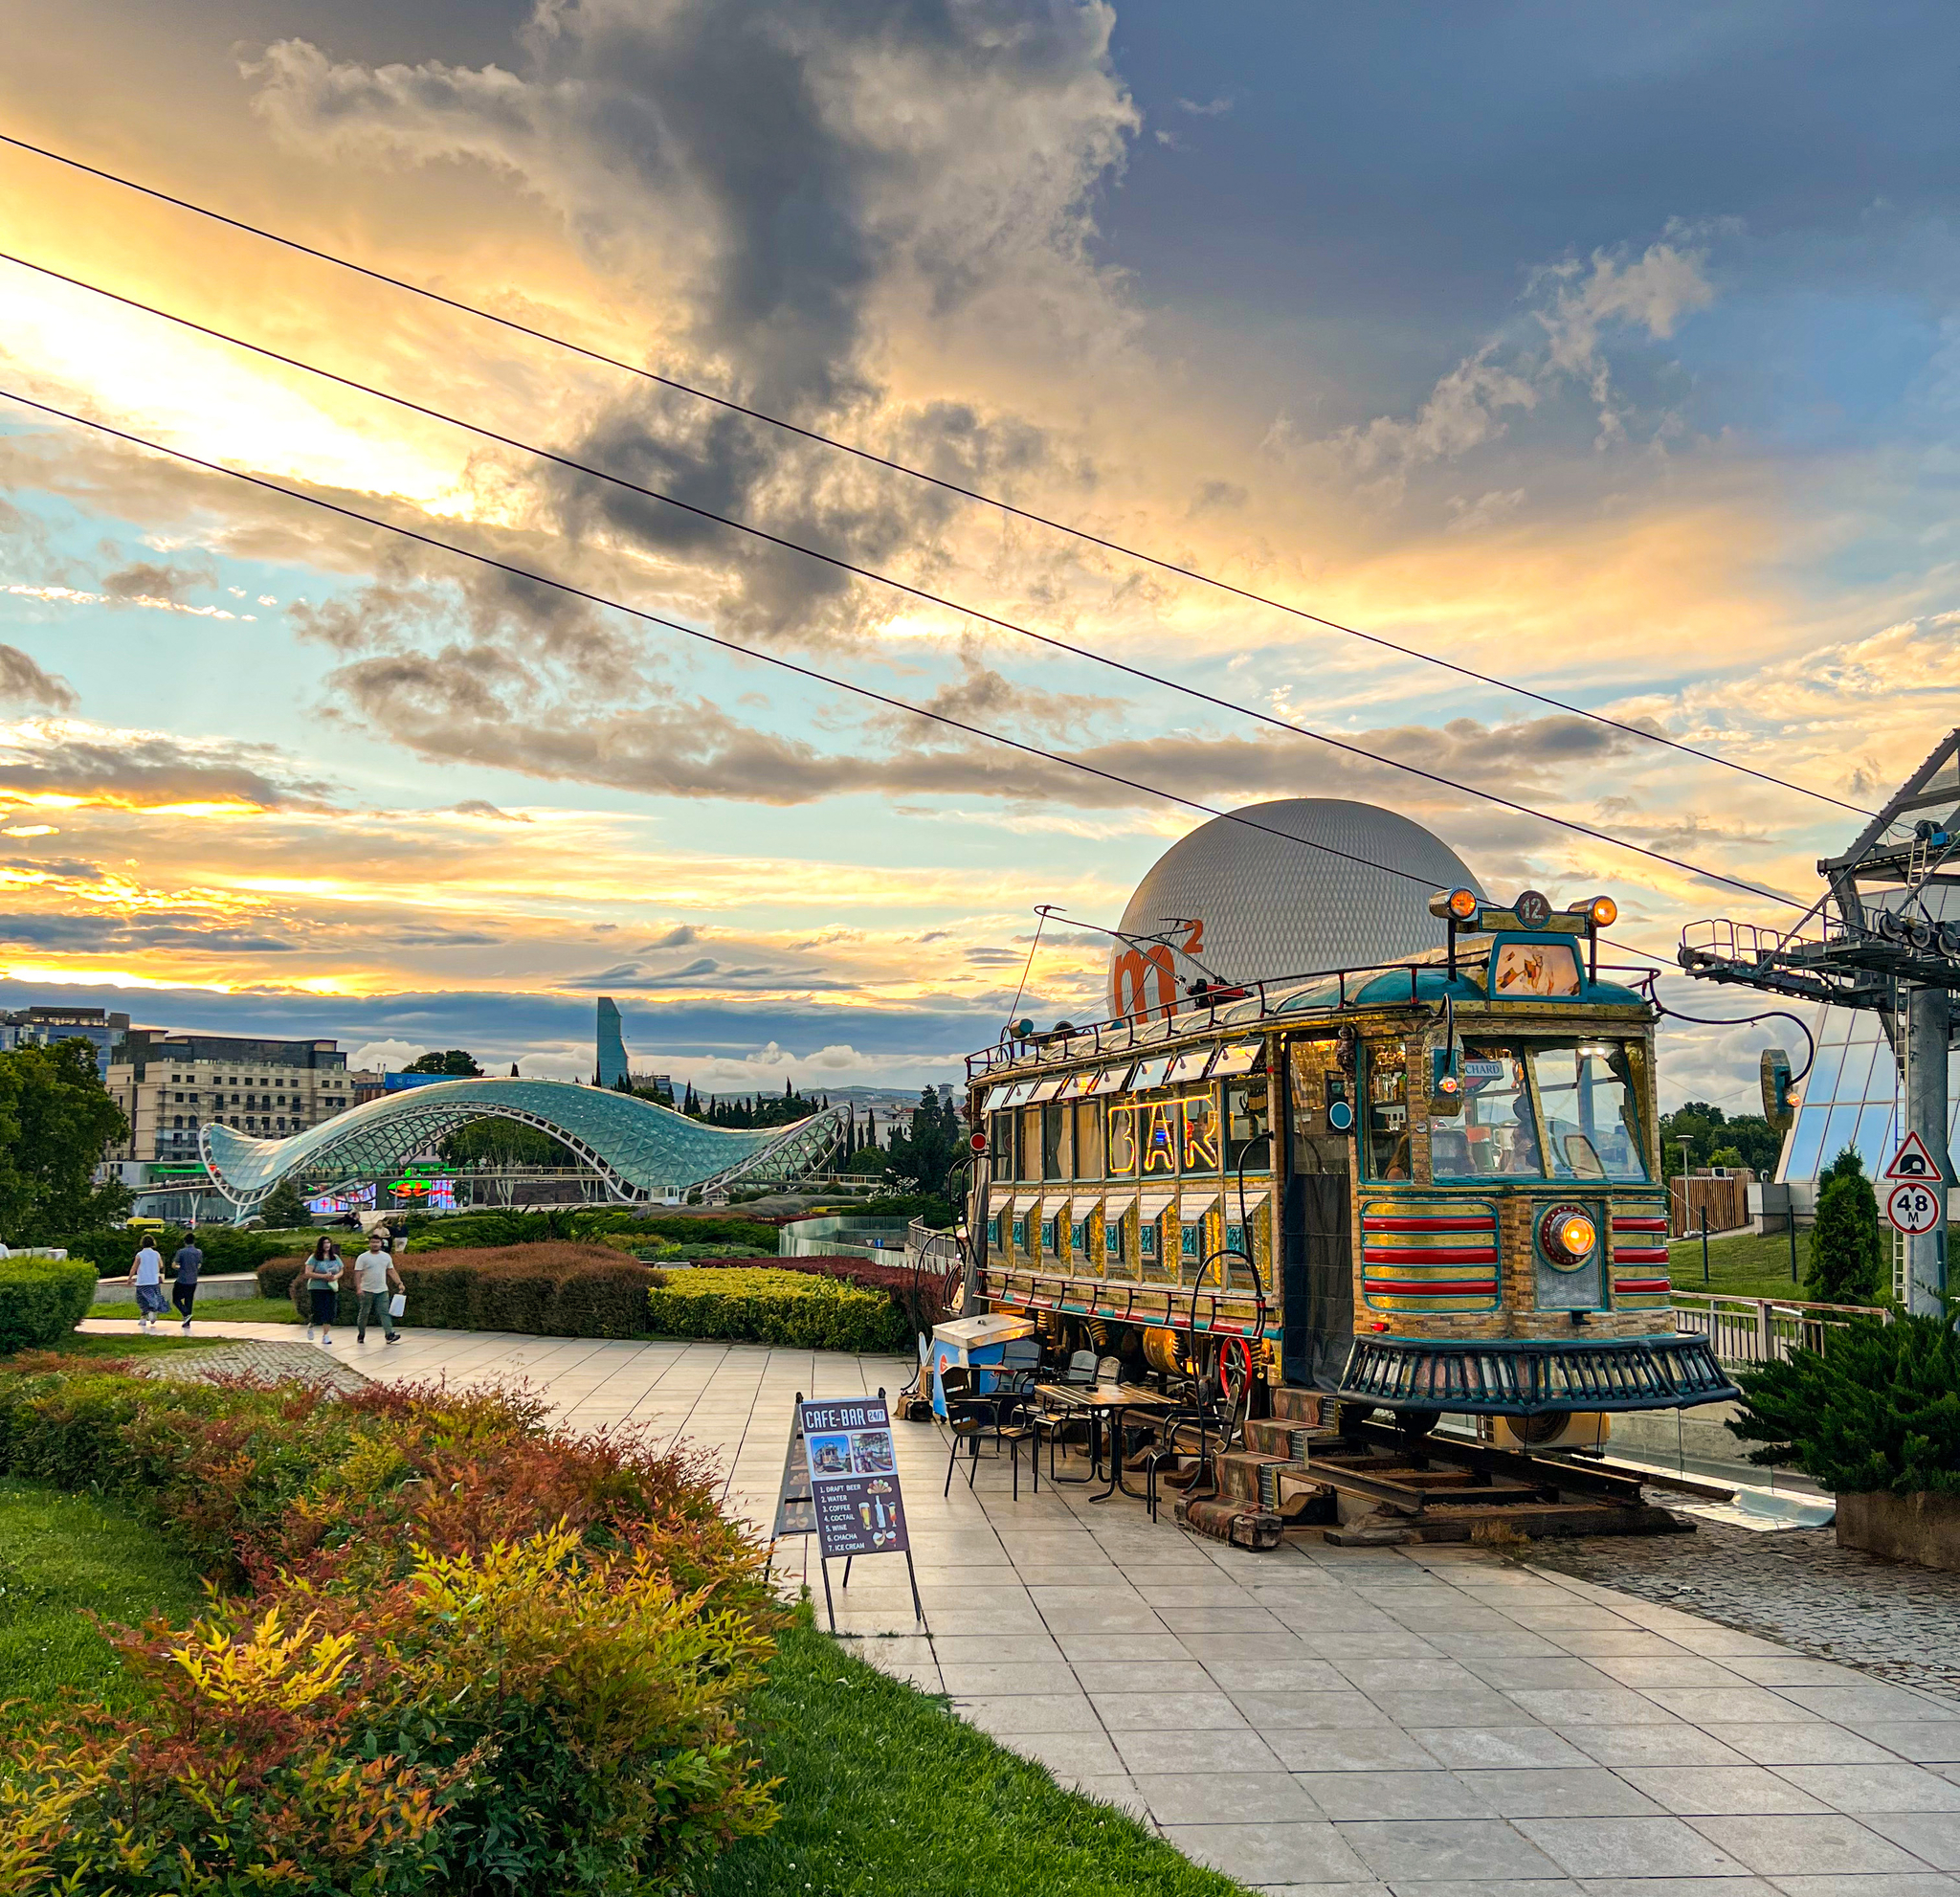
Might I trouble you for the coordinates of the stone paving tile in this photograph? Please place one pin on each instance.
(1816, 1742)
(1395, 1795)
(1296, 1853)
(1675, 1744)
(1560, 1792)
(265, 1360)
(1223, 1797)
(1808, 1847)
(1629, 1847)
(1933, 1837)
(1720, 1791)
(1899, 1884)
(1484, 1748)
(1453, 1849)
(1338, 1749)
(1203, 1749)
(1876, 1787)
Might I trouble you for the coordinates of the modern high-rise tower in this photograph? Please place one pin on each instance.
(609, 1067)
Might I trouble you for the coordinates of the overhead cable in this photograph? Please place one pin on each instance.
(894, 466)
(905, 587)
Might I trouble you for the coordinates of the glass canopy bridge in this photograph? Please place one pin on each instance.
(639, 1151)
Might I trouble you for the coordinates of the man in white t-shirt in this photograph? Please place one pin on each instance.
(146, 1274)
(375, 1278)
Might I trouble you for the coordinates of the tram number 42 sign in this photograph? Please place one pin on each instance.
(1913, 1209)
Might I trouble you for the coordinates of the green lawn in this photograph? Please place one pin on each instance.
(77, 1345)
(62, 1556)
(1744, 1267)
(219, 1310)
(884, 1791)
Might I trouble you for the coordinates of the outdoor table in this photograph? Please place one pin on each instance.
(1104, 1404)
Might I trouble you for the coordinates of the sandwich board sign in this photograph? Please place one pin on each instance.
(840, 1482)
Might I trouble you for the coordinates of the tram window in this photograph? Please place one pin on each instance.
(1158, 1136)
(1088, 1139)
(1246, 1126)
(1592, 1111)
(1027, 1152)
(1001, 1136)
(1200, 1133)
(1122, 1142)
(1055, 1143)
(1388, 1110)
(1497, 1133)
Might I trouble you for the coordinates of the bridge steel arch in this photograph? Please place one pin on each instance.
(641, 1151)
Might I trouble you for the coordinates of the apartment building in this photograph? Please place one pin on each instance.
(170, 1086)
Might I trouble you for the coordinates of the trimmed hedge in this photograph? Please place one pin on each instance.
(541, 1290)
(917, 1294)
(225, 1247)
(42, 1300)
(766, 1306)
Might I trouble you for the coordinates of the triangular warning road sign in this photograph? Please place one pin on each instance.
(1912, 1161)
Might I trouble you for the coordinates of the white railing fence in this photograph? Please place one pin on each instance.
(1745, 1332)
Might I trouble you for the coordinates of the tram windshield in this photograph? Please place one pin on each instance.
(1497, 1133)
(1592, 1118)
(1586, 1094)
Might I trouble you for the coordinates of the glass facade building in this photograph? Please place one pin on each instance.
(641, 1151)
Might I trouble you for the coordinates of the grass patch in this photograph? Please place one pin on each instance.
(1747, 1266)
(883, 1791)
(61, 1556)
(79, 1344)
(219, 1310)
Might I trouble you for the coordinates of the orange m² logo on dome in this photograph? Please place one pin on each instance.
(1137, 971)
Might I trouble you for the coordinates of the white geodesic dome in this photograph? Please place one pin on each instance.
(1270, 906)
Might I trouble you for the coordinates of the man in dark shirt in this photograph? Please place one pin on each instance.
(189, 1261)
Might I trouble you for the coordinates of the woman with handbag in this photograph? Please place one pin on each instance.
(323, 1280)
(374, 1279)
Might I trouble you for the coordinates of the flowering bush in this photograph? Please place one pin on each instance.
(473, 1652)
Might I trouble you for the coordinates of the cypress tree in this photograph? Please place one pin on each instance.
(1847, 1254)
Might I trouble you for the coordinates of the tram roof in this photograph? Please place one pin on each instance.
(1262, 1006)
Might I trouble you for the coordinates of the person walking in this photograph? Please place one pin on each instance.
(146, 1274)
(189, 1261)
(324, 1268)
(374, 1279)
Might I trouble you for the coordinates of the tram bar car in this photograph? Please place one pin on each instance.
(1426, 1186)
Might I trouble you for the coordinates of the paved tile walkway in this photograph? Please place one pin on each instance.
(1414, 1722)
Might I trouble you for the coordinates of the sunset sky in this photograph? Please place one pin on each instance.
(1613, 350)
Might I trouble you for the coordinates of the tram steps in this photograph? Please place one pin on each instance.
(1294, 1405)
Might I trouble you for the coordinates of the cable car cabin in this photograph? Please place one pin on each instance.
(1428, 1186)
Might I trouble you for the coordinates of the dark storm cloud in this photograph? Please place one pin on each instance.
(102, 934)
(775, 165)
(22, 680)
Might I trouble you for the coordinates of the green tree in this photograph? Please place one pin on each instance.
(284, 1208)
(55, 1119)
(498, 1142)
(1749, 1137)
(453, 1061)
(926, 1151)
(1847, 1255)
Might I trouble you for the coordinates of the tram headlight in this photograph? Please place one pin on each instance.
(1568, 1234)
(1462, 904)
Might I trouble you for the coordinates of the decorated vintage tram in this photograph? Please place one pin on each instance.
(1423, 1186)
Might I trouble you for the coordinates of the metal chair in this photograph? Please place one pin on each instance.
(1004, 1415)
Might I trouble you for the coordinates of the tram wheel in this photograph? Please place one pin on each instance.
(1539, 1429)
(1415, 1424)
(1231, 1368)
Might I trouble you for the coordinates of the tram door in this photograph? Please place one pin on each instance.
(1317, 1311)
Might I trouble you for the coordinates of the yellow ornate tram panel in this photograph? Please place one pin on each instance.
(1427, 1257)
